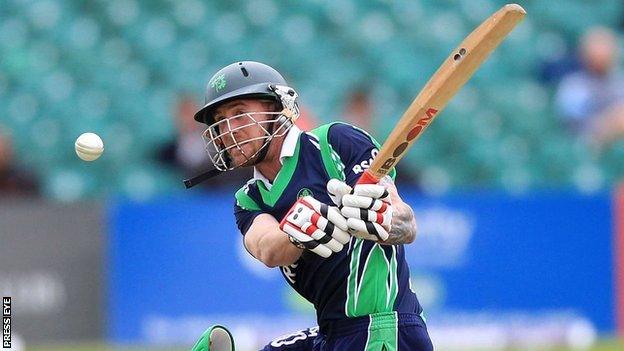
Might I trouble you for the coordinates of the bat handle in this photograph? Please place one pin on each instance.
(368, 178)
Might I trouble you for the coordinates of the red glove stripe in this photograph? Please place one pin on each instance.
(379, 218)
(383, 207)
(311, 229)
(315, 218)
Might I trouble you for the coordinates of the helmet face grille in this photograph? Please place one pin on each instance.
(222, 139)
(248, 138)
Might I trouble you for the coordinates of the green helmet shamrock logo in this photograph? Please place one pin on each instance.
(218, 83)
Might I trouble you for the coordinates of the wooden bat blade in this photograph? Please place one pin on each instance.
(454, 72)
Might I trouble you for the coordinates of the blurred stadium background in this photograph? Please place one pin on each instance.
(518, 217)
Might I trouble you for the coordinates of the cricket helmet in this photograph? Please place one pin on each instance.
(246, 80)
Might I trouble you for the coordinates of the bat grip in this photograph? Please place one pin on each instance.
(368, 178)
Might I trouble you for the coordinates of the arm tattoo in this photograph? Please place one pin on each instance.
(403, 229)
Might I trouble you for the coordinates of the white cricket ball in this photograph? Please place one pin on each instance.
(89, 146)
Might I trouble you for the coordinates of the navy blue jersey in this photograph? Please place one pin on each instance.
(365, 277)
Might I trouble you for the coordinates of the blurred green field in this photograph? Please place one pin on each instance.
(605, 345)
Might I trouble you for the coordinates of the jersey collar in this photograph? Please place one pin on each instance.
(288, 150)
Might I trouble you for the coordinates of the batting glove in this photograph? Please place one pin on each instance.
(367, 208)
(315, 226)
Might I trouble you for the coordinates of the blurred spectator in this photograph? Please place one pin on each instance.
(187, 151)
(591, 101)
(14, 180)
(553, 69)
(359, 109)
(306, 121)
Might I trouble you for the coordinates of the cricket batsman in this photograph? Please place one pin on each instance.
(337, 243)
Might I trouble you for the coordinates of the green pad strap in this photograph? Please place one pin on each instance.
(215, 338)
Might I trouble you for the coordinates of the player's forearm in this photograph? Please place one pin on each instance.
(267, 243)
(274, 249)
(403, 230)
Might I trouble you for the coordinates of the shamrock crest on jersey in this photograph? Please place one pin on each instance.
(304, 192)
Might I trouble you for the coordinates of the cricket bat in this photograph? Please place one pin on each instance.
(455, 71)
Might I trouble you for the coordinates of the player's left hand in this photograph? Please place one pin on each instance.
(315, 226)
(367, 208)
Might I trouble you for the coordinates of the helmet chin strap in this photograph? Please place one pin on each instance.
(189, 183)
(263, 152)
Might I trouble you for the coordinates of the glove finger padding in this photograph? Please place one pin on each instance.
(316, 226)
(364, 202)
(328, 219)
(306, 241)
(367, 207)
(372, 190)
(327, 213)
(382, 218)
(336, 189)
(367, 230)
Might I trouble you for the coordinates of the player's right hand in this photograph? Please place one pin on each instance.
(315, 226)
(367, 208)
